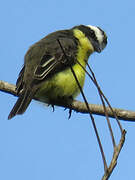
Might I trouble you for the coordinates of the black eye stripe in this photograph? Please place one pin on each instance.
(92, 34)
(88, 32)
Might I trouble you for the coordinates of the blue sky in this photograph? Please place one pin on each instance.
(44, 145)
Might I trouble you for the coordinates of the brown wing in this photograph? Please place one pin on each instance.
(43, 65)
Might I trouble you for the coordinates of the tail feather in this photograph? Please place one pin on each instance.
(21, 104)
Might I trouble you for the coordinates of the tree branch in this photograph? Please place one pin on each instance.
(79, 106)
(115, 157)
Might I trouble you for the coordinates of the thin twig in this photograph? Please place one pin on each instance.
(103, 103)
(115, 157)
(102, 94)
(90, 113)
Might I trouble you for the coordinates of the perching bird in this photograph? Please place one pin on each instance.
(46, 74)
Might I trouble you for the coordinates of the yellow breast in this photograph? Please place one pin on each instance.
(63, 84)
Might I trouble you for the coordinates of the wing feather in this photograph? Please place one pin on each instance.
(44, 59)
(51, 64)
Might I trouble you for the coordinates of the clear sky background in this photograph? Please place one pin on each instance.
(41, 144)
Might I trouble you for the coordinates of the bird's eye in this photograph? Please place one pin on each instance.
(92, 33)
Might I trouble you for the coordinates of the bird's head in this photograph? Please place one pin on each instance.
(96, 36)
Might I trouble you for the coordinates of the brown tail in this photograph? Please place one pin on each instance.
(21, 104)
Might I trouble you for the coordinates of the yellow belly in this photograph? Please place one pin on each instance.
(63, 84)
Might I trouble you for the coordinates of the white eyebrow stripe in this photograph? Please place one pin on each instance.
(98, 33)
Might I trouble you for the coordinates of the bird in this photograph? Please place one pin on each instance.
(46, 74)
